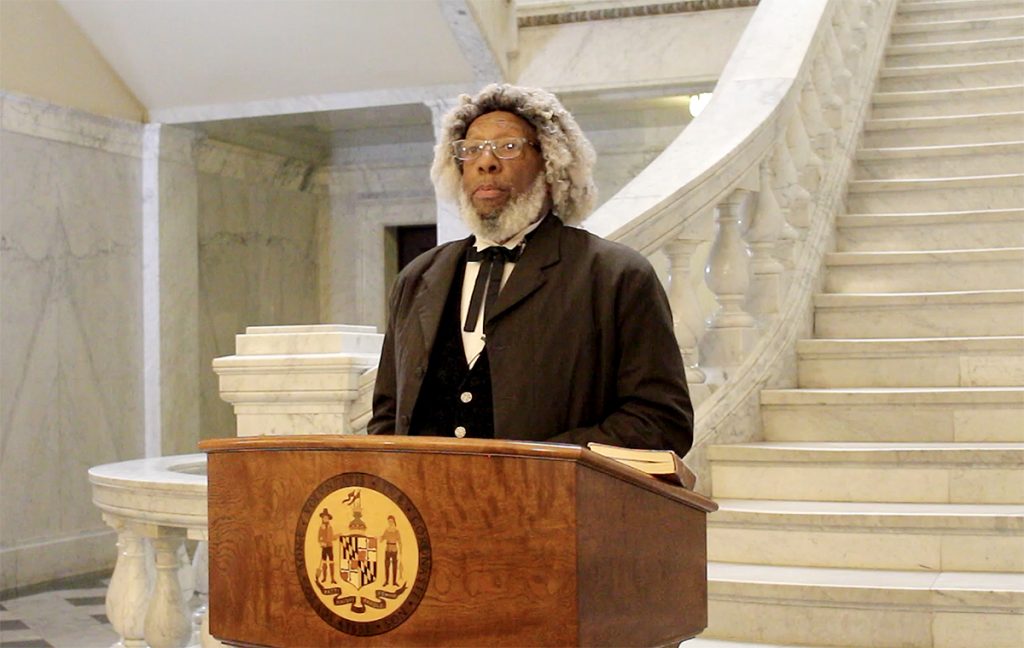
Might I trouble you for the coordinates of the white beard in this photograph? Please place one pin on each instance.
(504, 223)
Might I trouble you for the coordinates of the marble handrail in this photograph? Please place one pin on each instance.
(720, 148)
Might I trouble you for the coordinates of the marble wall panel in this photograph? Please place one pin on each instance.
(642, 50)
(257, 265)
(369, 191)
(70, 343)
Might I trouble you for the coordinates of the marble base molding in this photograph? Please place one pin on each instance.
(55, 558)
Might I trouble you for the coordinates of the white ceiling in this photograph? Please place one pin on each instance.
(189, 60)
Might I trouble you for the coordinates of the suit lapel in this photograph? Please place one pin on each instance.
(542, 251)
(433, 291)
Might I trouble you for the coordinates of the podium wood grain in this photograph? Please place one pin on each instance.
(532, 544)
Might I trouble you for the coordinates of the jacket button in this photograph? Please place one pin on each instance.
(420, 371)
(460, 432)
(465, 397)
(405, 419)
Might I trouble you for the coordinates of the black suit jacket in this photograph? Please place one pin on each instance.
(580, 345)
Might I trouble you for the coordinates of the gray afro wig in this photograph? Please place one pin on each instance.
(568, 155)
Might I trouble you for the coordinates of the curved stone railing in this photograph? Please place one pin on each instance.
(749, 192)
(155, 505)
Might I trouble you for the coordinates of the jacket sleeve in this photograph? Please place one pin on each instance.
(385, 389)
(652, 407)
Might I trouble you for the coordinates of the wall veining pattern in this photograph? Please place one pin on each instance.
(71, 335)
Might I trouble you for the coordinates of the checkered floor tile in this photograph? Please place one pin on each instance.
(61, 618)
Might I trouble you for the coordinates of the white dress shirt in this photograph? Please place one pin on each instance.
(473, 342)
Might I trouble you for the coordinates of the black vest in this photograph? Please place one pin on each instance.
(453, 396)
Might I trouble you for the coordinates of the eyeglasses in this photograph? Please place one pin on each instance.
(506, 148)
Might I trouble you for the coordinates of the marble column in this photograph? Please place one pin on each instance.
(171, 297)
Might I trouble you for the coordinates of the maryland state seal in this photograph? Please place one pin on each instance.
(362, 554)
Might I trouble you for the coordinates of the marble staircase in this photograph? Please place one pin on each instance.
(885, 506)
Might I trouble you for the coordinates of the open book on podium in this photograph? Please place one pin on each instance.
(385, 541)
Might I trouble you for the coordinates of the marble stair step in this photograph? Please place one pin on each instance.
(864, 607)
(1003, 191)
(909, 12)
(948, 102)
(995, 361)
(969, 51)
(992, 269)
(703, 642)
(895, 415)
(950, 75)
(944, 129)
(930, 162)
(940, 230)
(970, 313)
(908, 32)
(912, 537)
(955, 473)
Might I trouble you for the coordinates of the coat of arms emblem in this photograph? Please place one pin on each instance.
(363, 559)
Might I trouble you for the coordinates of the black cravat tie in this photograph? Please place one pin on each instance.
(492, 267)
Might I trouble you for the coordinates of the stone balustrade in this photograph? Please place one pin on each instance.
(745, 196)
(155, 505)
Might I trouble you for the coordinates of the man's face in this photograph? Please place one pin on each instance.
(491, 183)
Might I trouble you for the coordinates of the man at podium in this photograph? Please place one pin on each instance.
(531, 328)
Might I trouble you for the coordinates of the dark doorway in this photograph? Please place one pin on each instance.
(414, 240)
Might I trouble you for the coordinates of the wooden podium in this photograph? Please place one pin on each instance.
(484, 542)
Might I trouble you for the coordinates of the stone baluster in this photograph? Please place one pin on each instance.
(796, 199)
(186, 576)
(830, 101)
(168, 624)
(789, 237)
(869, 13)
(762, 237)
(851, 36)
(129, 587)
(730, 332)
(687, 318)
(821, 134)
(809, 164)
(841, 75)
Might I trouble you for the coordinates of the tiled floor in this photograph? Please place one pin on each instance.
(60, 618)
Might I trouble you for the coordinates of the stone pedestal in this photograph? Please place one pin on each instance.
(286, 380)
